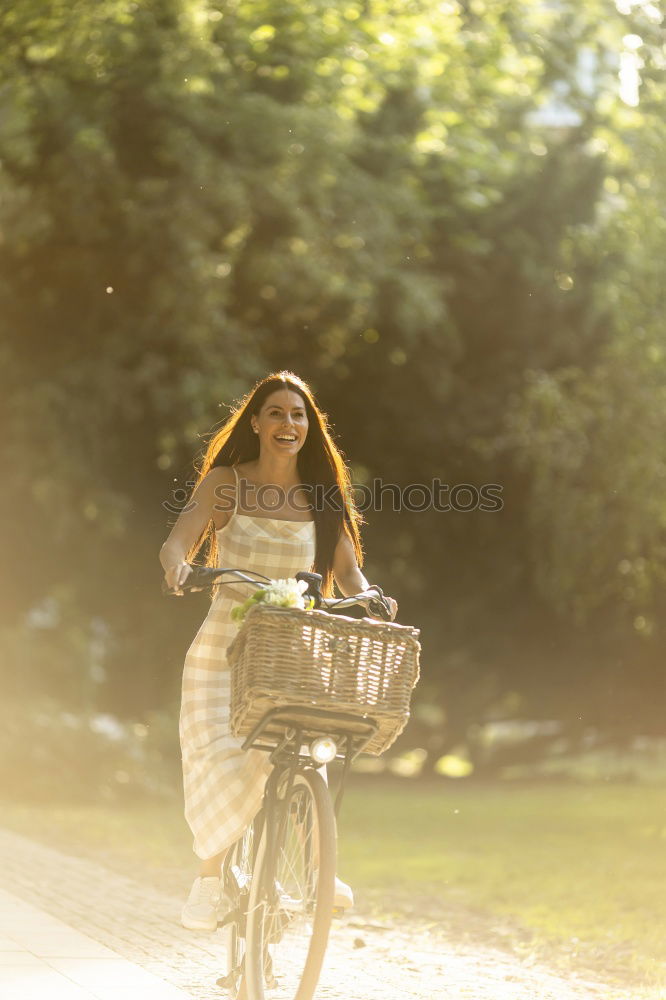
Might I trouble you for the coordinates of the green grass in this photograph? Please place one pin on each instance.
(574, 874)
(582, 868)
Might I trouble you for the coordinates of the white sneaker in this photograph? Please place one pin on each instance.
(344, 897)
(342, 900)
(288, 902)
(200, 912)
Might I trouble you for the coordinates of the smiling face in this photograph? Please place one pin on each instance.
(282, 423)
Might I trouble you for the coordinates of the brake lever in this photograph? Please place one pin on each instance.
(379, 606)
(205, 575)
(380, 609)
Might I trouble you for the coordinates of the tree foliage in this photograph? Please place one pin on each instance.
(444, 215)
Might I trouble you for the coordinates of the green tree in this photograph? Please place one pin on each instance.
(193, 193)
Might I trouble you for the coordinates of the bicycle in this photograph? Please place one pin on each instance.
(279, 877)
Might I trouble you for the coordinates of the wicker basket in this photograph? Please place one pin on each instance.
(309, 658)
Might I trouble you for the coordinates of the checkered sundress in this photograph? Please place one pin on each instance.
(223, 784)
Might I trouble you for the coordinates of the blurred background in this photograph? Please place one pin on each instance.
(448, 217)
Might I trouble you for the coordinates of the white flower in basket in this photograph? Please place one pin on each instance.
(279, 594)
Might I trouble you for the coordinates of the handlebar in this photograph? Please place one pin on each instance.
(202, 577)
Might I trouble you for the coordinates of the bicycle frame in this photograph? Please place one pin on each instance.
(288, 752)
(289, 759)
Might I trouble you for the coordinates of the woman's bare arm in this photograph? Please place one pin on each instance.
(347, 573)
(212, 490)
(346, 570)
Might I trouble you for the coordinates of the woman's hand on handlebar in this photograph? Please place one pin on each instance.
(176, 575)
(393, 605)
(388, 601)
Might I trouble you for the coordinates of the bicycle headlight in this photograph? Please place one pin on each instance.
(323, 750)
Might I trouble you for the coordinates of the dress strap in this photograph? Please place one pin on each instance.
(237, 489)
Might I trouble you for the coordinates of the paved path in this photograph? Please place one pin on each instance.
(41, 956)
(89, 930)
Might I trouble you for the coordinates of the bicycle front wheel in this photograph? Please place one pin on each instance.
(236, 876)
(290, 908)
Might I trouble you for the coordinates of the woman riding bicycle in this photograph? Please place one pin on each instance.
(272, 496)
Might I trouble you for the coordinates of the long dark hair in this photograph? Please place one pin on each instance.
(321, 466)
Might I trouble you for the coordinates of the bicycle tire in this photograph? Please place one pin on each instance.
(237, 873)
(287, 929)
